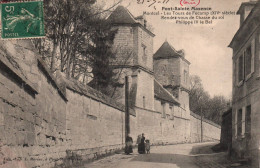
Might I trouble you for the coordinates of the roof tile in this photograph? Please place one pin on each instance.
(163, 94)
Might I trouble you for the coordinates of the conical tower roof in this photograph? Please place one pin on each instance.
(166, 51)
(121, 15)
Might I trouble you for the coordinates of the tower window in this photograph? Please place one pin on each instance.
(163, 110)
(185, 76)
(144, 54)
(144, 102)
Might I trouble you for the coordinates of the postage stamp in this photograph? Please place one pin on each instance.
(22, 20)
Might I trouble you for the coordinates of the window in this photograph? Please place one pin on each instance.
(239, 122)
(163, 110)
(245, 63)
(185, 76)
(248, 60)
(248, 121)
(240, 68)
(144, 102)
(172, 112)
(144, 54)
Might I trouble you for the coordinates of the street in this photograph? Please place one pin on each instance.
(172, 156)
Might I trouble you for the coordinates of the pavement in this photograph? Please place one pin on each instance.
(197, 155)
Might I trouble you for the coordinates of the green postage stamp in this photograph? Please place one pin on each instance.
(22, 20)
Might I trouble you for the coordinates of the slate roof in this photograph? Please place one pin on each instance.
(121, 15)
(167, 51)
(163, 94)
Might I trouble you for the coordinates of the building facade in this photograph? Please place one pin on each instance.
(246, 93)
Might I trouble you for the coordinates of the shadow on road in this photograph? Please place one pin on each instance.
(181, 161)
(202, 149)
(201, 156)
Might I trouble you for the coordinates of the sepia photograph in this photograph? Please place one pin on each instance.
(130, 84)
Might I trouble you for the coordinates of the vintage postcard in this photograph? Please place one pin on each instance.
(130, 83)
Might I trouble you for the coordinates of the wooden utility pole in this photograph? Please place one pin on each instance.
(127, 116)
(201, 126)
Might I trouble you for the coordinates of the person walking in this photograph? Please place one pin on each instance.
(141, 145)
(128, 144)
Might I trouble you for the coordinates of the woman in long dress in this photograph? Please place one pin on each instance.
(141, 145)
(128, 144)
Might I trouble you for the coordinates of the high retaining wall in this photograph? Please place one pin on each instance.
(210, 130)
(161, 130)
(51, 122)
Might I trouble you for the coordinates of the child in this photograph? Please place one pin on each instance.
(147, 146)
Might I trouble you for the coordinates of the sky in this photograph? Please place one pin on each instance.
(205, 46)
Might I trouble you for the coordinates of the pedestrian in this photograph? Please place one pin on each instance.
(141, 145)
(128, 144)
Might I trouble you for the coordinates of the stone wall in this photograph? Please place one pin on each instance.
(44, 123)
(162, 130)
(32, 111)
(210, 130)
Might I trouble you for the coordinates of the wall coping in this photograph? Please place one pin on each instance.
(87, 91)
(18, 75)
(43, 67)
(204, 119)
(157, 112)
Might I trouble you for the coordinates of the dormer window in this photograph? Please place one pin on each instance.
(245, 10)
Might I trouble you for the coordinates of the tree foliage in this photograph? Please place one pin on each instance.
(211, 108)
(78, 40)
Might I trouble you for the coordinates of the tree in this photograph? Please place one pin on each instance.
(102, 53)
(78, 40)
(200, 100)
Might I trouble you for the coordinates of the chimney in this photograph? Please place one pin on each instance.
(142, 19)
(245, 10)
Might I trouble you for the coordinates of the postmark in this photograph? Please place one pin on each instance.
(189, 3)
(22, 20)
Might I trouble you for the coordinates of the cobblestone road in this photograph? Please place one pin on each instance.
(173, 156)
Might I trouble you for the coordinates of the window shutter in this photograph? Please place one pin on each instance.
(237, 71)
(235, 125)
(243, 65)
(243, 120)
(253, 56)
(234, 73)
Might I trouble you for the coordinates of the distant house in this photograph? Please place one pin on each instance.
(246, 84)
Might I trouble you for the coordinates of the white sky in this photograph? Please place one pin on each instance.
(205, 46)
